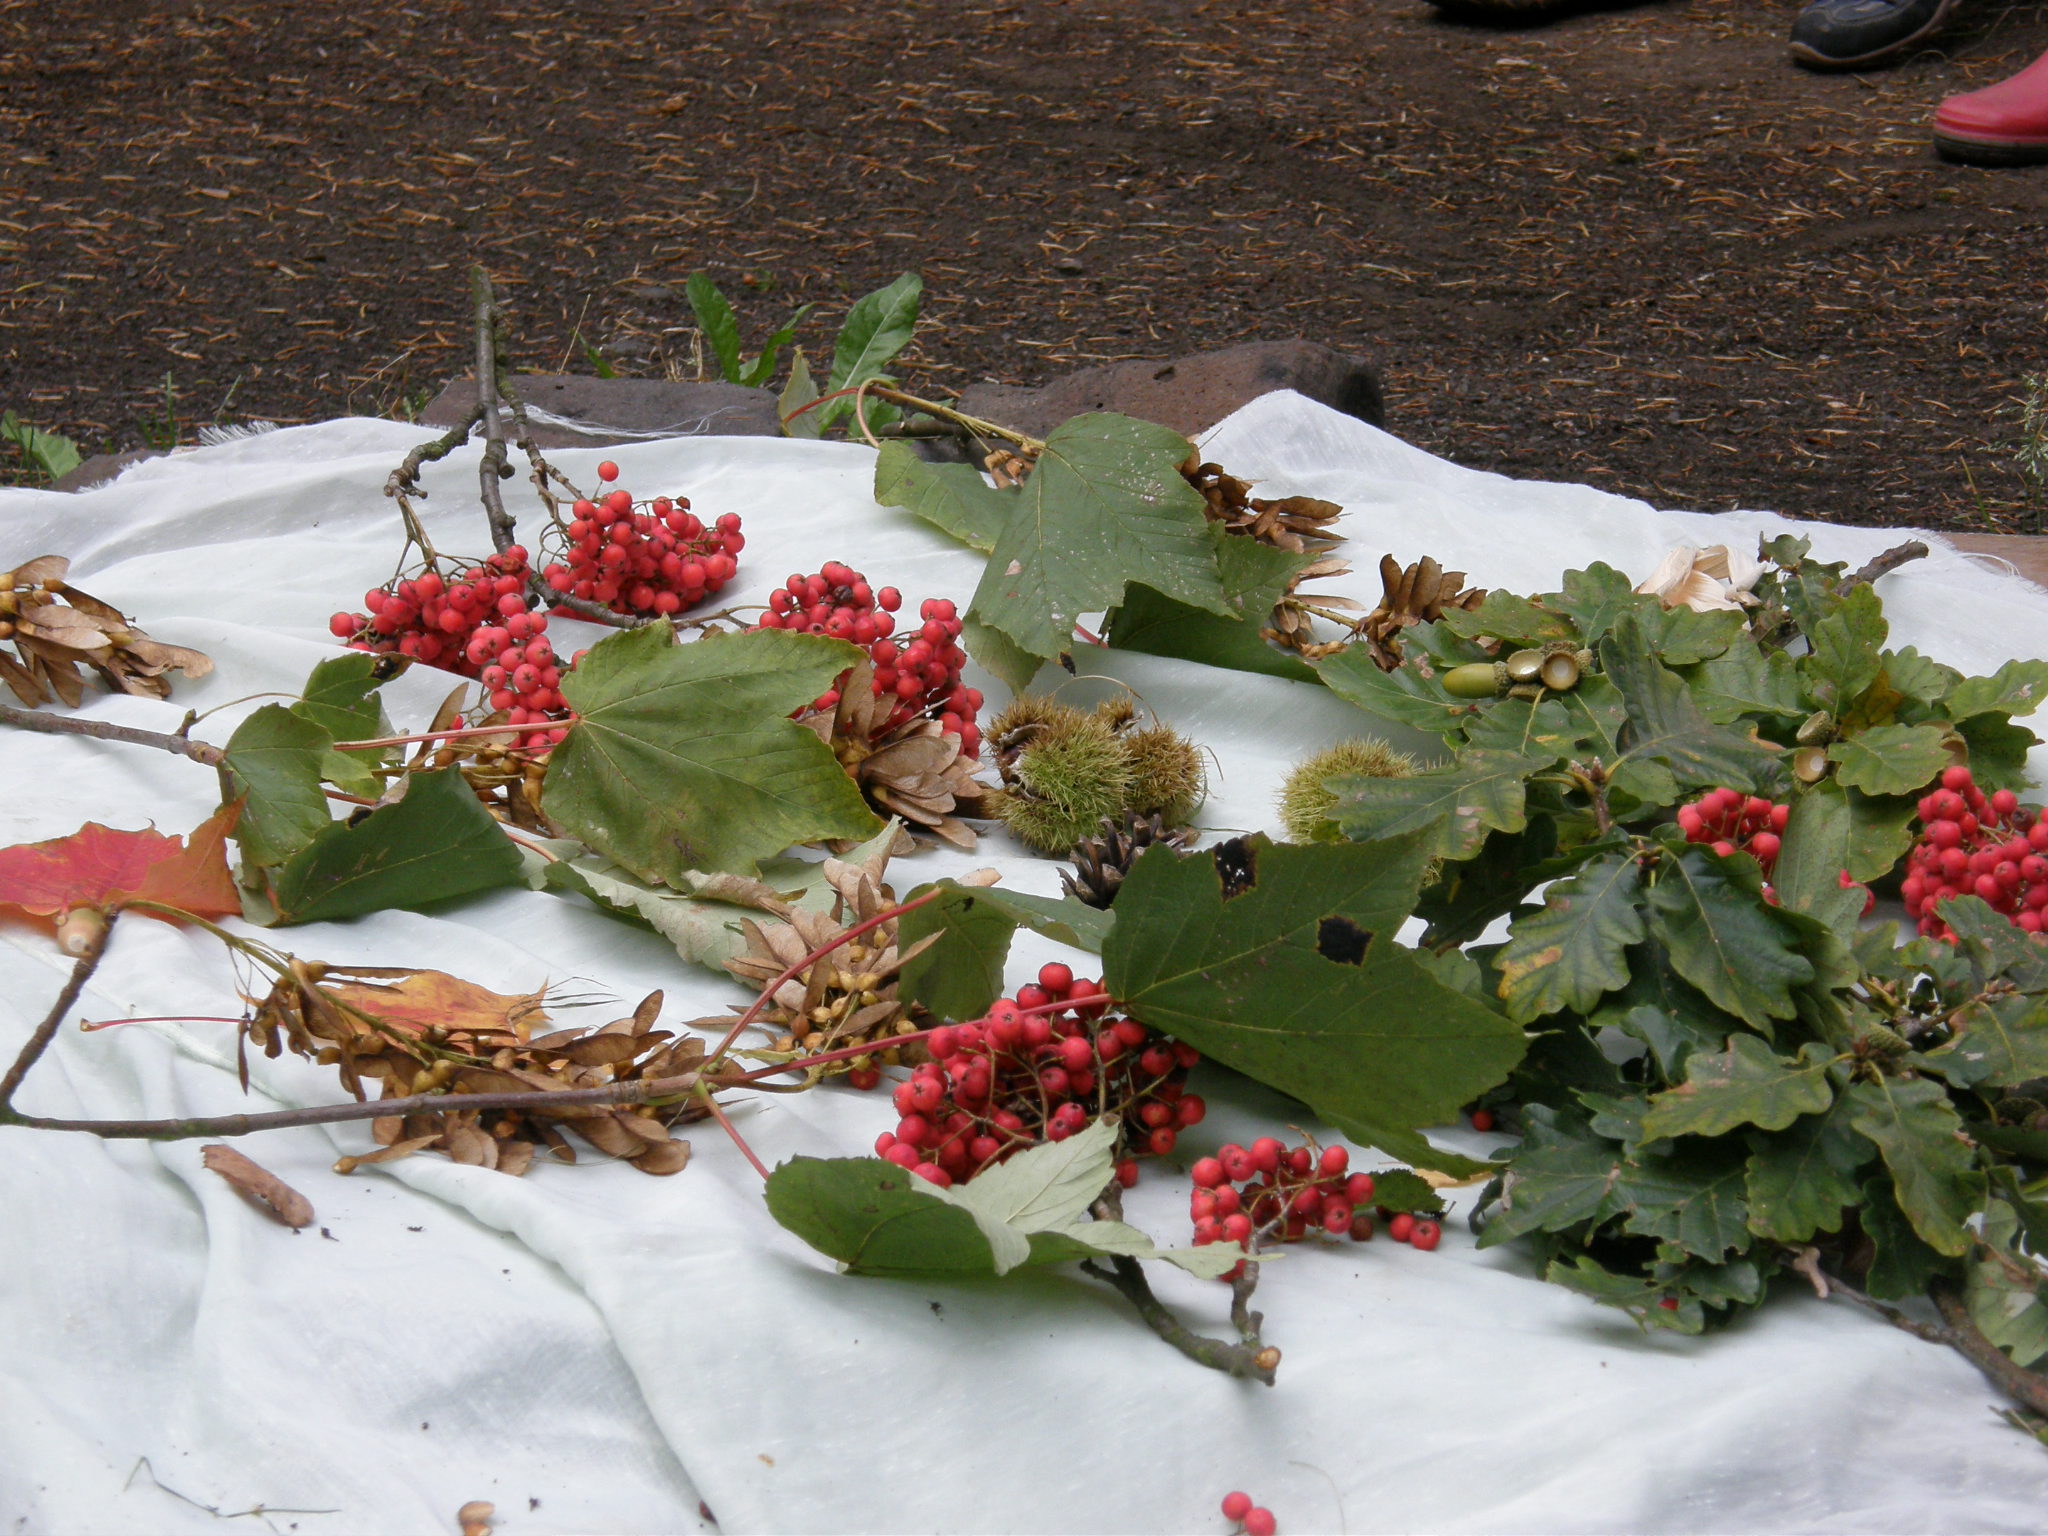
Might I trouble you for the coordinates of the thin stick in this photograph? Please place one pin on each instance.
(492, 468)
(456, 733)
(46, 1031)
(1242, 1360)
(2027, 1388)
(406, 477)
(102, 730)
(718, 1114)
(584, 608)
(1885, 564)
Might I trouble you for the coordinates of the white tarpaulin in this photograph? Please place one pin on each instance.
(593, 1349)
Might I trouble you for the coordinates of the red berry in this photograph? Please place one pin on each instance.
(1401, 1228)
(1236, 1505)
(1426, 1235)
(607, 471)
(1260, 1522)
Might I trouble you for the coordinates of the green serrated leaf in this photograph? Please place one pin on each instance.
(798, 391)
(951, 497)
(1998, 752)
(1844, 660)
(961, 972)
(1933, 1171)
(1747, 1083)
(1891, 759)
(2004, 1290)
(1253, 575)
(1993, 947)
(1665, 725)
(1106, 506)
(1515, 620)
(274, 762)
(1831, 830)
(1457, 806)
(877, 327)
(1409, 695)
(1573, 951)
(1745, 680)
(715, 319)
(1594, 598)
(1693, 1196)
(2016, 688)
(1297, 982)
(341, 696)
(1918, 677)
(2002, 1041)
(1642, 1298)
(683, 756)
(1903, 1265)
(436, 842)
(1720, 938)
(1560, 1177)
(1802, 1178)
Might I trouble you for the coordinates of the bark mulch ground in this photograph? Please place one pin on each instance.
(1635, 248)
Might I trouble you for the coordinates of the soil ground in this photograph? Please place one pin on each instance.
(1634, 247)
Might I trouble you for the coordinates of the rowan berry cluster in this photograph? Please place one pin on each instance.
(651, 559)
(1736, 823)
(1974, 844)
(1040, 1067)
(477, 625)
(921, 667)
(1272, 1193)
(1249, 1517)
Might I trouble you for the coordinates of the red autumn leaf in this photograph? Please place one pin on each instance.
(102, 867)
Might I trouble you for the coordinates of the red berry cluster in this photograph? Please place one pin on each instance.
(1269, 1192)
(1736, 823)
(653, 562)
(1037, 1067)
(479, 626)
(1250, 1518)
(1973, 844)
(921, 667)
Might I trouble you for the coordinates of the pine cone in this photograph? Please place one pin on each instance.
(1419, 594)
(915, 771)
(1101, 862)
(1292, 522)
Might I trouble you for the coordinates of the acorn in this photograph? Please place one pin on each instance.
(1810, 764)
(1306, 798)
(1477, 680)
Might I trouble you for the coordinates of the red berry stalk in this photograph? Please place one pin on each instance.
(1973, 844)
(921, 666)
(1040, 1067)
(1271, 1193)
(479, 626)
(649, 559)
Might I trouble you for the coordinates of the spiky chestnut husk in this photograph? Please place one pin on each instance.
(1167, 777)
(1058, 787)
(1025, 719)
(1306, 797)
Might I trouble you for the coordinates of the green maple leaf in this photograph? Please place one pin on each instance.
(1296, 980)
(1934, 1176)
(1254, 575)
(1720, 938)
(1746, 1084)
(1105, 506)
(1458, 805)
(952, 497)
(1574, 950)
(683, 758)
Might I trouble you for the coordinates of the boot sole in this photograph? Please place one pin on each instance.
(1814, 59)
(1990, 151)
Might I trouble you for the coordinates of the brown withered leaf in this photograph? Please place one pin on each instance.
(418, 1001)
(55, 627)
(258, 1185)
(914, 770)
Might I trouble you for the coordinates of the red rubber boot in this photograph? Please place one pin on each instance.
(2003, 124)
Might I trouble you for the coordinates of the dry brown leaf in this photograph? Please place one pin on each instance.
(259, 1185)
(388, 1154)
(426, 1000)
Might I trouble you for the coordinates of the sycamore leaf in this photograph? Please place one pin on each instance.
(1291, 975)
(998, 654)
(1801, 1179)
(962, 973)
(1457, 805)
(1746, 1084)
(1254, 575)
(103, 868)
(952, 497)
(1573, 950)
(2016, 688)
(1720, 938)
(683, 756)
(436, 842)
(274, 763)
(1933, 1169)
(1105, 506)
(1891, 759)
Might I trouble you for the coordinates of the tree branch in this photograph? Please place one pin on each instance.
(102, 730)
(1245, 1361)
(1885, 564)
(492, 468)
(406, 476)
(45, 1032)
(2027, 1388)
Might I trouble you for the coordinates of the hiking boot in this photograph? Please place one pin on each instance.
(2003, 124)
(1858, 34)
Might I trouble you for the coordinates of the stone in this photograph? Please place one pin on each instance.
(101, 468)
(2026, 552)
(569, 411)
(1189, 394)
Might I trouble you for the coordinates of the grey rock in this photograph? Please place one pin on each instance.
(1189, 394)
(568, 411)
(101, 468)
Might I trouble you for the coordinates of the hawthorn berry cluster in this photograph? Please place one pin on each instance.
(1250, 1518)
(1270, 1192)
(1736, 823)
(920, 667)
(651, 560)
(1040, 1067)
(1973, 844)
(479, 626)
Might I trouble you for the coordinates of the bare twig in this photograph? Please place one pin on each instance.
(103, 730)
(405, 478)
(597, 613)
(1885, 564)
(492, 468)
(2027, 1388)
(1245, 1360)
(45, 1032)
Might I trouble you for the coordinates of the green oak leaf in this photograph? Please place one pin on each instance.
(1746, 1084)
(1802, 1179)
(952, 497)
(1891, 759)
(1503, 616)
(1105, 506)
(1903, 1265)
(274, 762)
(1720, 937)
(1560, 1177)
(1830, 830)
(1993, 947)
(1584, 723)
(682, 757)
(1297, 982)
(1999, 1040)
(2004, 1290)
(1254, 575)
(1998, 752)
(1594, 598)
(1641, 1297)
(1572, 951)
(1918, 677)
(1409, 695)
(1679, 636)
(436, 842)
(1747, 680)
(1666, 727)
(2016, 688)
(1457, 805)
(1693, 1196)
(1846, 645)
(1934, 1176)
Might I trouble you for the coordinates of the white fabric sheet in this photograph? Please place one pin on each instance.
(615, 1348)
